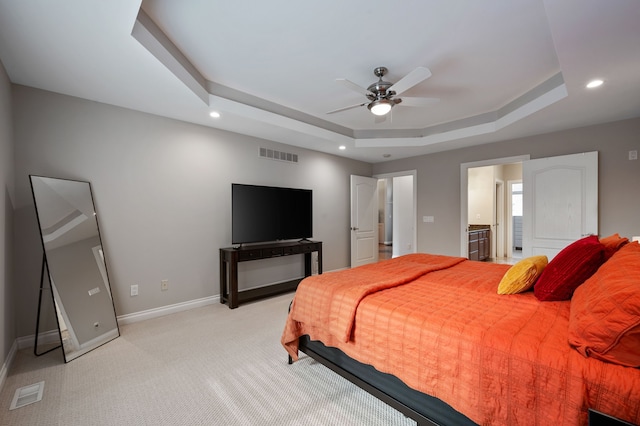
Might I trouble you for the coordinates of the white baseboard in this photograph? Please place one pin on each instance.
(53, 336)
(45, 337)
(167, 310)
(7, 363)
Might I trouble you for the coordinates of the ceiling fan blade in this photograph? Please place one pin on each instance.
(418, 102)
(351, 85)
(411, 79)
(346, 108)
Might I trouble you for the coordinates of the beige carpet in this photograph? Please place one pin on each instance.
(207, 366)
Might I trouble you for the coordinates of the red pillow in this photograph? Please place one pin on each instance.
(570, 268)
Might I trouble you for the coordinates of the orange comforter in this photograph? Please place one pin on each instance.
(439, 325)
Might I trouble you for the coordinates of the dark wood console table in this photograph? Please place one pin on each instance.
(230, 256)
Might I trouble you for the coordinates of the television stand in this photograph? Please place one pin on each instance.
(231, 256)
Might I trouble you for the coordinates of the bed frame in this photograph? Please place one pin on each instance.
(424, 409)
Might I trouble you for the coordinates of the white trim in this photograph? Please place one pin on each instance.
(45, 337)
(4, 371)
(53, 336)
(499, 220)
(166, 310)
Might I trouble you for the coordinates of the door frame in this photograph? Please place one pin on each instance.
(413, 173)
(464, 189)
(499, 228)
(509, 219)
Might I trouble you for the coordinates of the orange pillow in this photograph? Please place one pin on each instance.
(604, 322)
(521, 276)
(612, 244)
(570, 268)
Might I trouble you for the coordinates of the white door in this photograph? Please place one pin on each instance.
(364, 220)
(560, 202)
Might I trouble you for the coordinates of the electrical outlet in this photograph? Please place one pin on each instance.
(164, 285)
(134, 290)
(633, 155)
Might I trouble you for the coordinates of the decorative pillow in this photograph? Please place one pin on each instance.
(570, 268)
(604, 322)
(521, 276)
(612, 244)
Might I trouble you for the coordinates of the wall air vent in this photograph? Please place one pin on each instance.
(272, 154)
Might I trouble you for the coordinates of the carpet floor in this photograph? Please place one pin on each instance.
(206, 366)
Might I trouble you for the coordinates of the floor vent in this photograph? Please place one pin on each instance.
(27, 395)
(272, 154)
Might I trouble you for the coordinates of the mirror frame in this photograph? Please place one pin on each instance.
(73, 349)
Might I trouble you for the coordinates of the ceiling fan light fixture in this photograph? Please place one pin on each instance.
(380, 106)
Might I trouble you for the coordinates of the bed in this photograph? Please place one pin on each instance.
(447, 340)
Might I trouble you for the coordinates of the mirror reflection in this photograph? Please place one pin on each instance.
(75, 262)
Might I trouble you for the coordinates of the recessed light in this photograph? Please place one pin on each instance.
(214, 114)
(594, 83)
(342, 147)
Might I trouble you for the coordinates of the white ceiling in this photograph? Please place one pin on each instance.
(502, 68)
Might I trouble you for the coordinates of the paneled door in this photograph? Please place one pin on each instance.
(364, 220)
(560, 200)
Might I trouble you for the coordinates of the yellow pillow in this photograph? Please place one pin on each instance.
(521, 276)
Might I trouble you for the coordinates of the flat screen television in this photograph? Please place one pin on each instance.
(268, 213)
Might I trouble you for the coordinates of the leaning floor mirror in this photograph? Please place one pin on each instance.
(74, 265)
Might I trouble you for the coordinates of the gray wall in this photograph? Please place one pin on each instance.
(7, 291)
(162, 190)
(439, 178)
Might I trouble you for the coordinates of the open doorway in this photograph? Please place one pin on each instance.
(486, 205)
(397, 195)
(514, 242)
(385, 218)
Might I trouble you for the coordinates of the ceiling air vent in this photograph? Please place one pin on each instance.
(272, 154)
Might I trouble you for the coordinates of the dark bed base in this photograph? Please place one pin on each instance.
(424, 409)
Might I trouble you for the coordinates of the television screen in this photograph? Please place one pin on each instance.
(267, 213)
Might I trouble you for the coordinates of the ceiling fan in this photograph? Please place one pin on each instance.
(382, 94)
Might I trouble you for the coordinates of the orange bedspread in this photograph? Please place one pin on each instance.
(444, 330)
